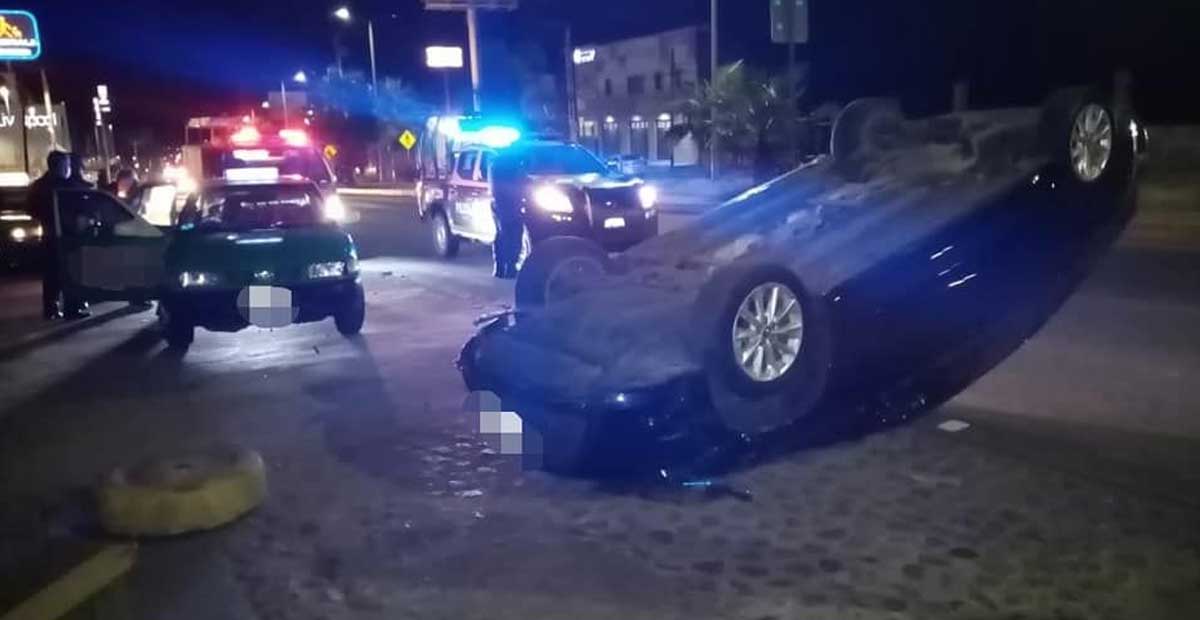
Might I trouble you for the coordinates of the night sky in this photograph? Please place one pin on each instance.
(167, 60)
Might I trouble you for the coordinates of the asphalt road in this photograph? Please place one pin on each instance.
(1069, 495)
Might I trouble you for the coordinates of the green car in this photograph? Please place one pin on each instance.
(230, 255)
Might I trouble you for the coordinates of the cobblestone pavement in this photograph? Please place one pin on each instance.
(385, 503)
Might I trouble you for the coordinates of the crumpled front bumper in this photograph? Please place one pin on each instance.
(657, 410)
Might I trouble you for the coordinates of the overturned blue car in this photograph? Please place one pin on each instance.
(879, 280)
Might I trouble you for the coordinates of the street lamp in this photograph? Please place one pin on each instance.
(343, 13)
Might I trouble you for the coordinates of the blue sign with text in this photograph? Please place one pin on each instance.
(19, 39)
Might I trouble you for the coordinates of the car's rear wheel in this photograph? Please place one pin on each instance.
(857, 129)
(559, 269)
(1086, 139)
(177, 330)
(445, 244)
(350, 317)
(766, 352)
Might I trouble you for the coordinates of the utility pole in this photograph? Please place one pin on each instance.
(473, 44)
(283, 101)
(712, 138)
(371, 47)
(569, 82)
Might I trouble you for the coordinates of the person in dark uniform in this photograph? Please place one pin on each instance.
(508, 175)
(77, 178)
(41, 202)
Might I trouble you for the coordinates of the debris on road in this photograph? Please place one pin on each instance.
(954, 426)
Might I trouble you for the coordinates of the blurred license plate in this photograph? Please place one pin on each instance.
(614, 222)
(267, 306)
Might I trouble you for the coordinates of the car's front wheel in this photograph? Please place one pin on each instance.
(560, 268)
(445, 244)
(350, 317)
(766, 352)
(176, 329)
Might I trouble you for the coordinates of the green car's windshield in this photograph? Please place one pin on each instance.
(255, 207)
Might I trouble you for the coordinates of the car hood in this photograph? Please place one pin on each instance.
(243, 257)
(590, 180)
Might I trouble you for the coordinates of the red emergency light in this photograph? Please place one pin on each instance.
(294, 137)
(246, 135)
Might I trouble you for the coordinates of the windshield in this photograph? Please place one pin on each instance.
(561, 159)
(252, 208)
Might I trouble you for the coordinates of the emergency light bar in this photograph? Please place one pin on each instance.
(248, 134)
(294, 137)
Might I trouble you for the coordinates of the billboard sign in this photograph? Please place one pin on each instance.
(19, 38)
(443, 57)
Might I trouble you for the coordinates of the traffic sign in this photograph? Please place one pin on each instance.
(407, 140)
(19, 38)
(789, 21)
(331, 151)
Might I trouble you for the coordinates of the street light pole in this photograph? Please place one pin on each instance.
(371, 48)
(712, 138)
(473, 44)
(283, 100)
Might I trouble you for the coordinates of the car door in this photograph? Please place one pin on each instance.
(472, 203)
(107, 251)
(457, 189)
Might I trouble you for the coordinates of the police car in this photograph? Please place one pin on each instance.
(564, 190)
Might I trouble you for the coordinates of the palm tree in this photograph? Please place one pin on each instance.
(749, 111)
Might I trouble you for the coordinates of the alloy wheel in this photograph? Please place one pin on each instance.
(768, 331)
(1091, 142)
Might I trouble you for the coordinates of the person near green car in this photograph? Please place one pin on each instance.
(254, 252)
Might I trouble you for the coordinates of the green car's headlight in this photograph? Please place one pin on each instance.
(333, 269)
(193, 279)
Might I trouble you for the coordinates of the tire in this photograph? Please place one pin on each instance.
(1060, 115)
(350, 317)
(742, 403)
(555, 270)
(166, 497)
(855, 132)
(177, 330)
(441, 238)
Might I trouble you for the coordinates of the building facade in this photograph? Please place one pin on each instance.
(629, 94)
(28, 132)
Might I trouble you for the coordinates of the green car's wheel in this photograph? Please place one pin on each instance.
(350, 317)
(176, 329)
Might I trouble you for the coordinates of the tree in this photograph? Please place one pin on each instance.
(750, 112)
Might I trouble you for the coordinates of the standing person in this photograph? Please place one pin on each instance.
(508, 172)
(77, 178)
(41, 202)
(125, 184)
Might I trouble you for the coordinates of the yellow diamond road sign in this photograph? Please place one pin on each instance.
(331, 151)
(407, 140)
